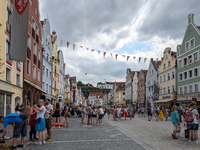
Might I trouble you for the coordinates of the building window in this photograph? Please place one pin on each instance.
(190, 88)
(173, 88)
(195, 57)
(47, 72)
(164, 90)
(185, 89)
(39, 75)
(55, 84)
(47, 57)
(43, 69)
(190, 59)
(168, 76)
(181, 77)
(43, 85)
(185, 75)
(34, 71)
(181, 90)
(39, 54)
(35, 49)
(169, 63)
(50, 74)
(160, 92)
(50, 89)
(192, 43)
(173, 76)
(164, 66)
(33, 23)
(28, 67)
(7, 47)
(55, 69)
(164, 78)
(29, 41)
(195, 72)
(180, 63)
(185, 61)
(8, 74)
(18, 79)
(160, 79)
(168, 90)
(37, 30)
(187, 46)
(47, 87)
(190, 74)
(196, 88)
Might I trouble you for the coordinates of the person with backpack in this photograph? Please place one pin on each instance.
(20, 127)
(175, 121)
(192, 117)
(149, 113)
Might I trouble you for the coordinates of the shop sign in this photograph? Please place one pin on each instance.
(165, 97)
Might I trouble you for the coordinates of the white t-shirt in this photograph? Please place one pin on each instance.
(50, 108)
(94, 111)
(151, 109)
(101, 111)
(40, 114)
(118, 111)
(194, 113)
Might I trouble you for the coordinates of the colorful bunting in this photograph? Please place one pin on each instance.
(134, 57)
(123, 56)
(104, 54)
(145, 60)
(67, 44)
(92, 50)
(127, 58)
(116, 56)
(111, 55)
(74, 45)
(81, 46)
(139, 59)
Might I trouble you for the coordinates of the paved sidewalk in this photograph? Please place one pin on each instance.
(156, 134)
(87, 137)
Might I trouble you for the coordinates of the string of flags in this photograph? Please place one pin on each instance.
(104, 53)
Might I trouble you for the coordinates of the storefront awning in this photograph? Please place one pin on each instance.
(163, 100)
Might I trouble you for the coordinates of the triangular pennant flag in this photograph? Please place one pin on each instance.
(81, 46)
(139, 59)
(67, 44)
(128, 58)
(99, 52)
(61, 41)
(87, 49)
(123, 56)
(92, 50)
(145, 60)
(111, 55)
(104, 54)
(74, 45)
(116, 56)
(134, 57)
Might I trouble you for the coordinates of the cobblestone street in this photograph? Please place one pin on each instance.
(155, 134)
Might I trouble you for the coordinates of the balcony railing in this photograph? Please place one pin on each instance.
(39, 64)
(28, 52)
(35, 59)
(18, 67)
(8, 60)
(8, 27)
(37, 39)
(33, 33)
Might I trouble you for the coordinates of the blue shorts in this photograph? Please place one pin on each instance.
(41, 125)
(193, 126)
(138, 112)
(101, 116)
(82, 114)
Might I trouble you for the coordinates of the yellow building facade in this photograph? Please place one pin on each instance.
(55, 68)
(167, 79)
(119, 93)
(11, 72)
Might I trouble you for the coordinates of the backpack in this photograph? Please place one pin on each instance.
(189, 116)
(149, 110)
(156, 111)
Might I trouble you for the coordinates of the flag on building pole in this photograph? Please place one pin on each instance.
(139, 59)
(19, 30)
(74, 45)
(67, 44)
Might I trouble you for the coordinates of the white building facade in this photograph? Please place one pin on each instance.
(135, 86)
(61, 75)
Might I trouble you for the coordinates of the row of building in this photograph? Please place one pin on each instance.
(174, 79)
(43, 74)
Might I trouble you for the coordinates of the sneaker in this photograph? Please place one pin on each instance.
(50, 139)
(35, 138)
(197, 142)
(20, 145)
(59, 127)
(31, 140)
(39, 143)
(44, 142)
(13, 147)
(47, 138)
(189, 141)
(180, 136)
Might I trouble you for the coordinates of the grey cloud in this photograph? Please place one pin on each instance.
(167, 18)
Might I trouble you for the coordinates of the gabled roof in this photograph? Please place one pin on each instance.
(120, 86)
(109, 82)
(99, 83)
(156, 64)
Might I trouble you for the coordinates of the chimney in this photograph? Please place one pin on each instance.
(190, 18)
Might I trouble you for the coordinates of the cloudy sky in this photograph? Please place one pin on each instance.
(140, 28)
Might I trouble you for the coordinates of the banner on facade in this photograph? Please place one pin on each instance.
(19, 31)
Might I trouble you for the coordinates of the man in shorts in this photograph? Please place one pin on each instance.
(175, 121)
(49, 120)
(142, 111)
(88, 110)
(20, 127)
